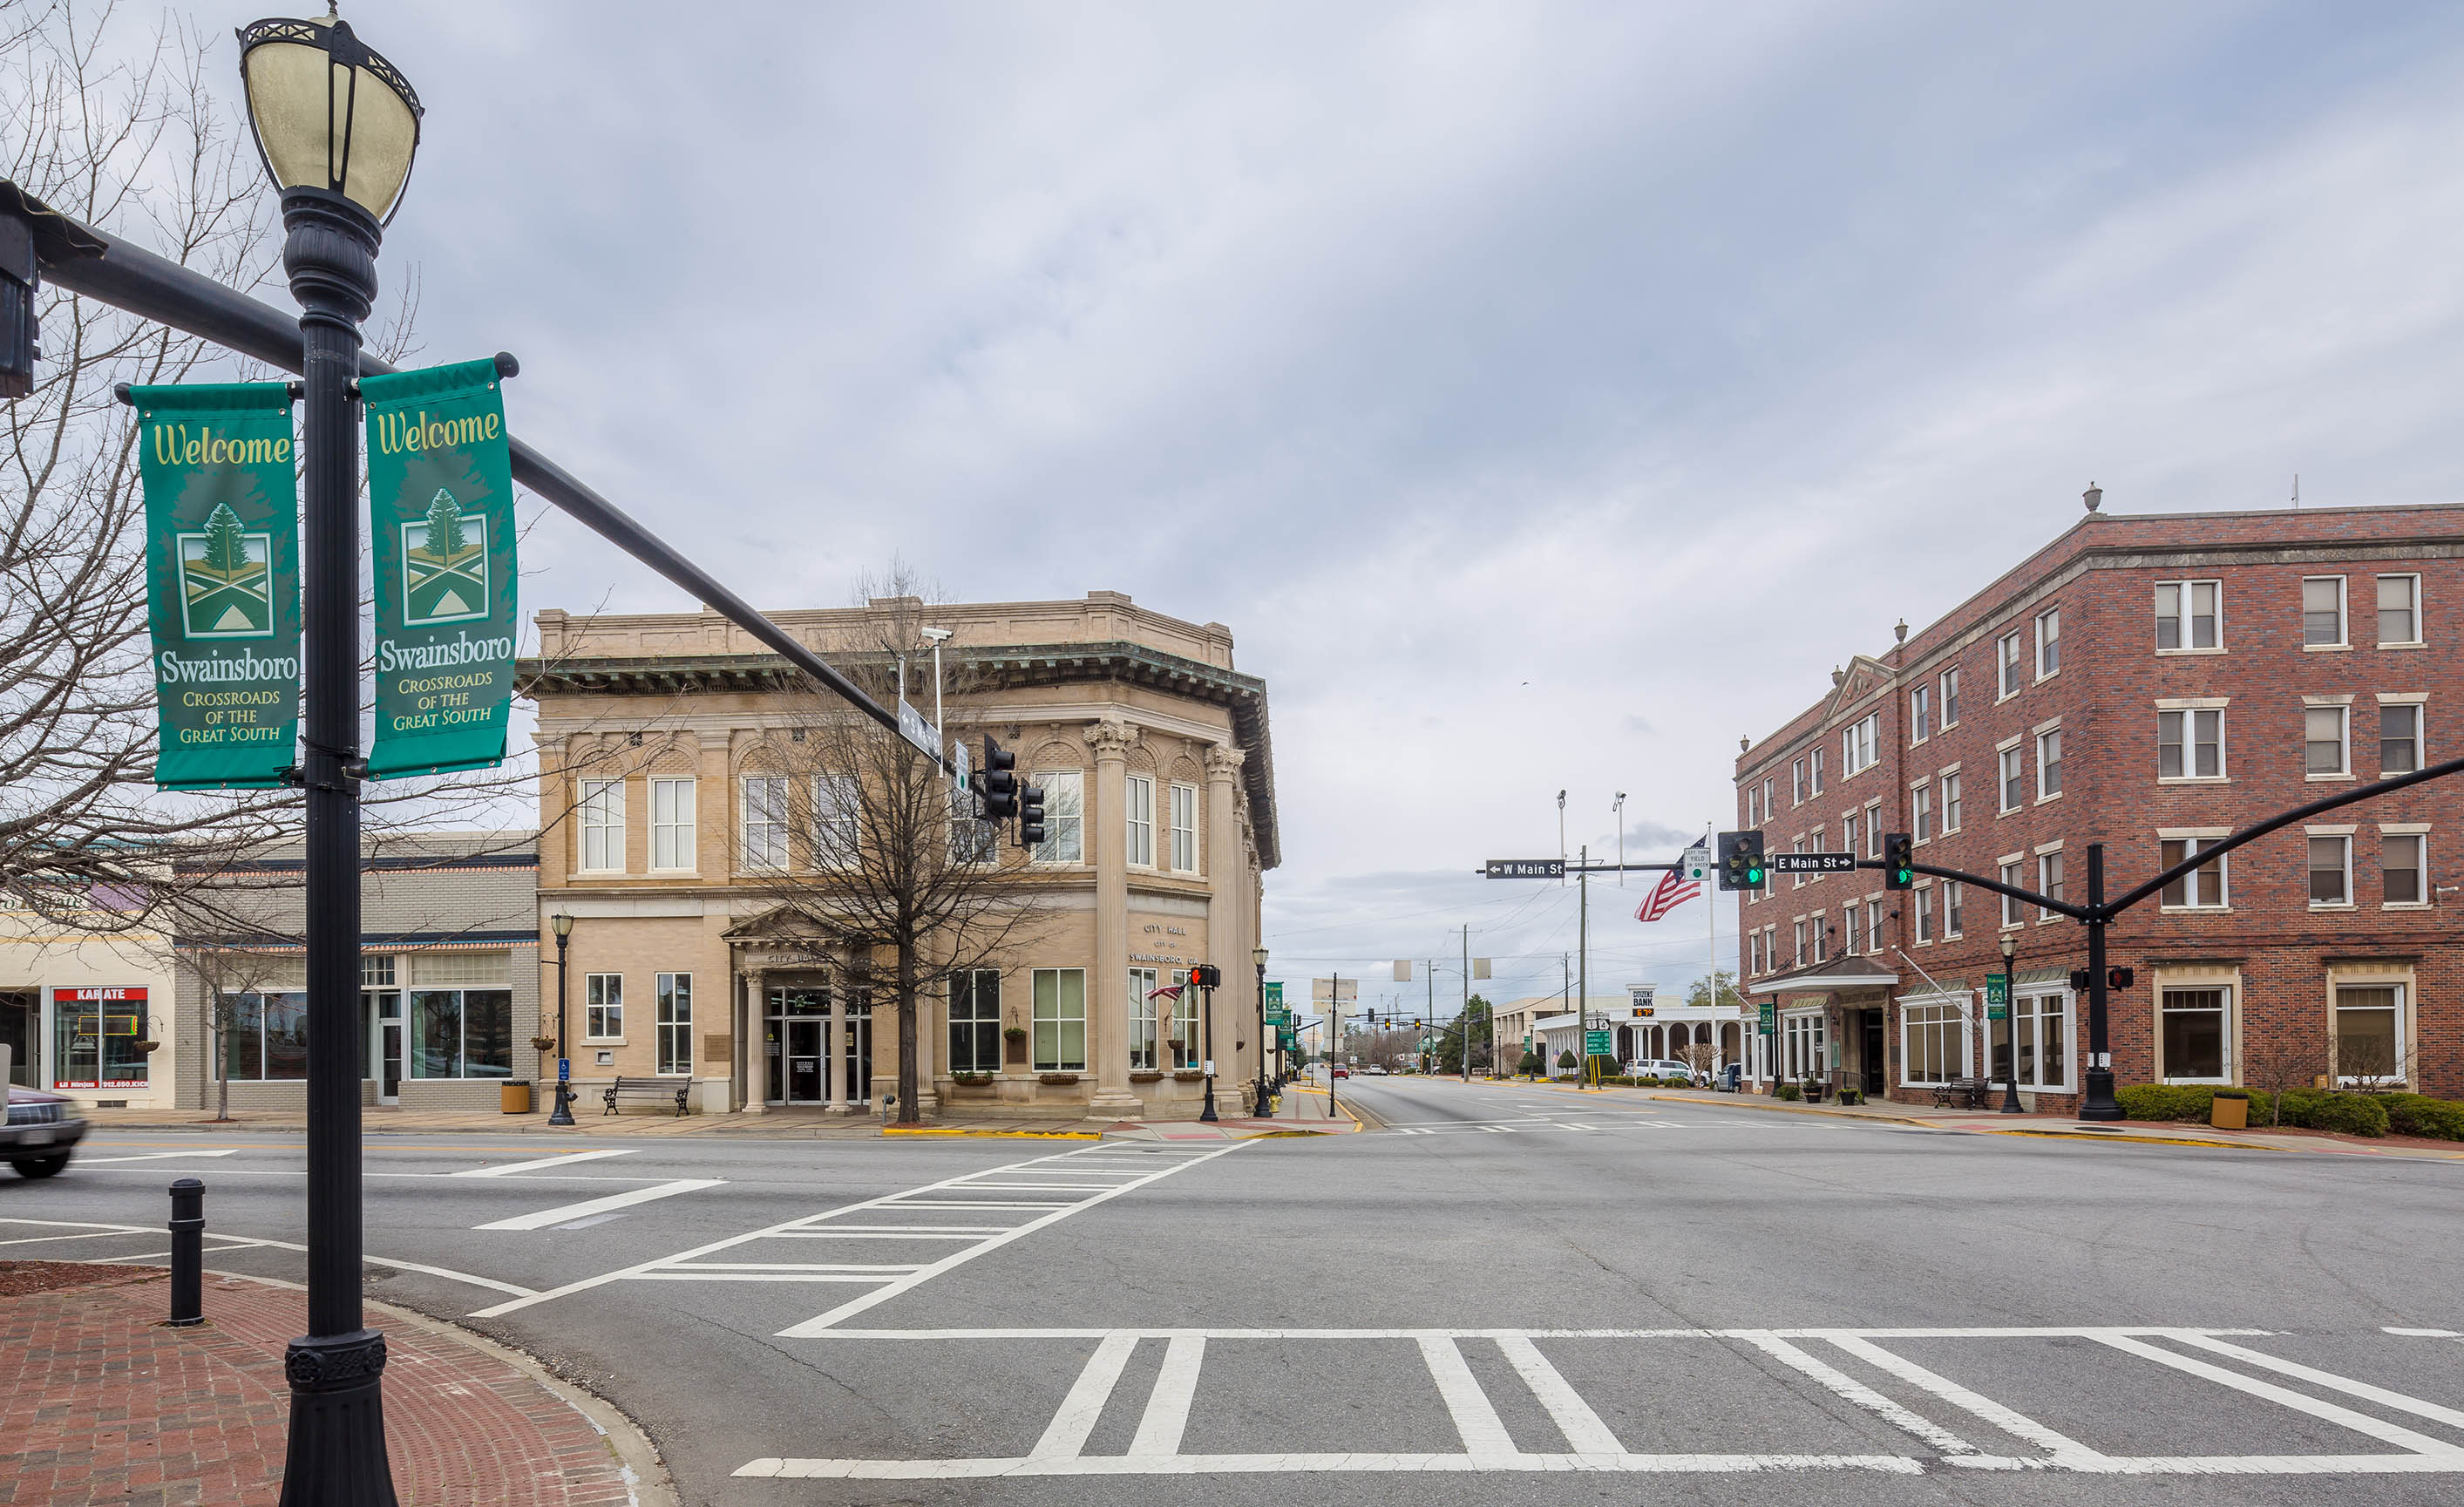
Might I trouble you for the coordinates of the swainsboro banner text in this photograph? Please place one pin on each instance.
(222, 581)
(441, 535)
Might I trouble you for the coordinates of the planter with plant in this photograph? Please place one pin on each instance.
(1788, 1090)
(1057, 1079)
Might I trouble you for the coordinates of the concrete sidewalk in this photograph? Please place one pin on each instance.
(776, 1124)
(101, 1403)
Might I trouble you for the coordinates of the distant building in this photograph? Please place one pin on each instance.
(87, 1014)
(2154, 683)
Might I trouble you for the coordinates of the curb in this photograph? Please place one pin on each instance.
(995, 1135)
(647, 1481)
(1756, 1103)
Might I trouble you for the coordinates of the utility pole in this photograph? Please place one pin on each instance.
(1583, 967)
(1466, 1005)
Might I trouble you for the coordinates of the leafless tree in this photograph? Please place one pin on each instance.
(870, 847)
(2280, 1061)
(226, 973)
(1699, 1058)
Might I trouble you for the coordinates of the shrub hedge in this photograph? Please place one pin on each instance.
(2419, 1115)
(2309, 1109)
(1789, 1091)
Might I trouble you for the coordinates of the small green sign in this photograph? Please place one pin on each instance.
(1770, 1017)
(1998, 996)
(1997, 1012)
(1598, 1044)
(1276, 1013)
(222, 581)
(441, 536)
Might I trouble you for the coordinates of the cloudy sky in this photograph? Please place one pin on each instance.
(1546, 396)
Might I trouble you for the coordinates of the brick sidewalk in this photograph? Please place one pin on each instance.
(101, 1403)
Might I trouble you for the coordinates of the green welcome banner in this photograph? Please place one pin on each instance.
(222, 581)
(441, 534)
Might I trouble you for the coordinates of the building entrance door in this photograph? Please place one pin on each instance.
(1877, 1055)
(17, 1033)
(385, 1005)
(857, 1049)
(805, 1084)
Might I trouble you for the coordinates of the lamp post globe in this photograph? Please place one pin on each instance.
(562, 925)
(337, 127)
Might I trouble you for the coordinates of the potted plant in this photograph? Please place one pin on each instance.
(542, 1044)
(148, 1046)
(1188, 1075)
(971, 1080)
(1057, 1079)
(1145, 1076)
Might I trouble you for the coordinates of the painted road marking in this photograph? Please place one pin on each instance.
(687, 1265)
(1593, 1446)
(562, 1158)
(448, 1272)
(600, 1206)
(151, 1155)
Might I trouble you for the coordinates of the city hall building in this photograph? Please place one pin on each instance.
(2154, 683)
(702, 948)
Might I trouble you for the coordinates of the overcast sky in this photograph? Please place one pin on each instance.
(1545, 395)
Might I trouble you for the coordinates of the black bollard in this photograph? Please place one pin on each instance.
(188, 1253)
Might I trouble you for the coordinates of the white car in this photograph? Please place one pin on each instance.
(1657, 1068)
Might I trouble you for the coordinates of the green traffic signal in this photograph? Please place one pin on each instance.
(1899, 861)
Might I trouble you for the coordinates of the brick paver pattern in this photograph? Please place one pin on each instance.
(101, 1403)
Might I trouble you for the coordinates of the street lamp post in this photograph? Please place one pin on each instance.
(1258, 955)
(562, 925)
(2010, 1031)
(337, 127)
(1206, 1037)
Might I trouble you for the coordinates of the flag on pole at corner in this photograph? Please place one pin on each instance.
(1673, 890)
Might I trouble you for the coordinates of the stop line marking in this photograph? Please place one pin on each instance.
(1593, 1446)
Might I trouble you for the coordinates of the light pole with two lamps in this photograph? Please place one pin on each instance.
(337, 127)
(562, 925)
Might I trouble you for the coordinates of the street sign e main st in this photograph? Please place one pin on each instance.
(1810, 863)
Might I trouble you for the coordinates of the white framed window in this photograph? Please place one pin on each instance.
(602, 826)
(1814, 765)
(1933, 1042)
(2190, 743)
(766, 821)
(2012, 910)
(2041, 1025)
(1952, 921)
(2010, 655)
(1874, 830)
(673, 1027)
(971, 840)
(671, 825)
(1921, 813)
(1802, 1047)
(1821, 937)
(1060, 1030)
(1796, 882)
(1141, 816)
(1950, 698)
(1848, 833)
(1852, 930)
(2325, 749)
(1923, 905)
(974, 1021)
(2014, 778)
(1065, 816)
(1188, 1052)
(2202, 888)
(837, 821)
(2049, 643)
(1799, 960)
(1767, 798)
(603, 1007)
(1951, 802)
(2399, 611)
(2189, 615)
(2196, 1035)
(1920, 715)
(2370, 1035)
(1185, 829)
(2331, 869)
(2049, 763)
(1145, 1012)
(1859, 744)
(2404, 868)
(1796, 783)
(2049, 883)
(2322, 612)
(2399, 737)
(1753, 952)
(1874, 925)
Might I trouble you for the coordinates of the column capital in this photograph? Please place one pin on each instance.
(1111, 739)
(1223, 761)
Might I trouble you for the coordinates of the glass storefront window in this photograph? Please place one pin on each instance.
(2195, 1035)
(95, 1034)
(1060, 1020)
(2370, 1034)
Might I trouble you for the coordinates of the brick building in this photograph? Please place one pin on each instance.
(2154, 683)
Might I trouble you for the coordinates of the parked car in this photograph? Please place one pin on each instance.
(1659, 1068)
(1372, 1072)
(43, 1129)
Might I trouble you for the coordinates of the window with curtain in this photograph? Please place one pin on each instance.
(1933, 1043)
(1185, 829)
(2323, 740)
(2399, 610)
(1950, 803)
(2186, 614)
(1060, 1028)
(765, 822)
(2202, 888)
(837, 821)
(2191, 744)
(671, 824)
(2399, 738)
(2369, 1034)
(602, 812)
(1141, 817)
(2323, 610)
(2402, 868)
(1065, 816)
(2331, 870)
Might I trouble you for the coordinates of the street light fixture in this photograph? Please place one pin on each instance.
(337, 127)
(1258, 955)
(562, 925)
(2010, 1030)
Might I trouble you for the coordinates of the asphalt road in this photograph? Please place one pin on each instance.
(1509, 1293)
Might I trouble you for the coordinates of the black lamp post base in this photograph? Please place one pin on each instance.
(2099, 1103)
(337, 1437)
(1207, 1115)
(563, 1114)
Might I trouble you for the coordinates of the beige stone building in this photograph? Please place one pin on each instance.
(699, 946)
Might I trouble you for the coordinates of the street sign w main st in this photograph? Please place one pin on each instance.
(1526, 867)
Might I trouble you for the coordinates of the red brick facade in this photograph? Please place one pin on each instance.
(2256, 982)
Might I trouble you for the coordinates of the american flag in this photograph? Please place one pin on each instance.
(1673, 890)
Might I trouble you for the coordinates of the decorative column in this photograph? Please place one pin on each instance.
(1227, 927)
(1107, 1003)
(757, 1057)
(834, 1050)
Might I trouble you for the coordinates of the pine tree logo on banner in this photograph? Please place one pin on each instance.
(445, 565)
(226, 580)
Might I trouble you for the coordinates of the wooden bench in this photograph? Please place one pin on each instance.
(1968, 1093)
(649, 1091)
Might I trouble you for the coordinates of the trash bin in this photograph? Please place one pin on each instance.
(514, 1097)
(2229, 1112)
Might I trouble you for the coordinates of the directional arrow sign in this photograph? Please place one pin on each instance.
(1526, 867)
(1812, 862)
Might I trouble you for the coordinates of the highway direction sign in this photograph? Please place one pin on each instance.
(1810, 862)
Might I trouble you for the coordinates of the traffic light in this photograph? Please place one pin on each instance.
(1030, 815)
(1899, 861)
(1001, 784)
(2120, 977)
(19, 277)
(1741, 861)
